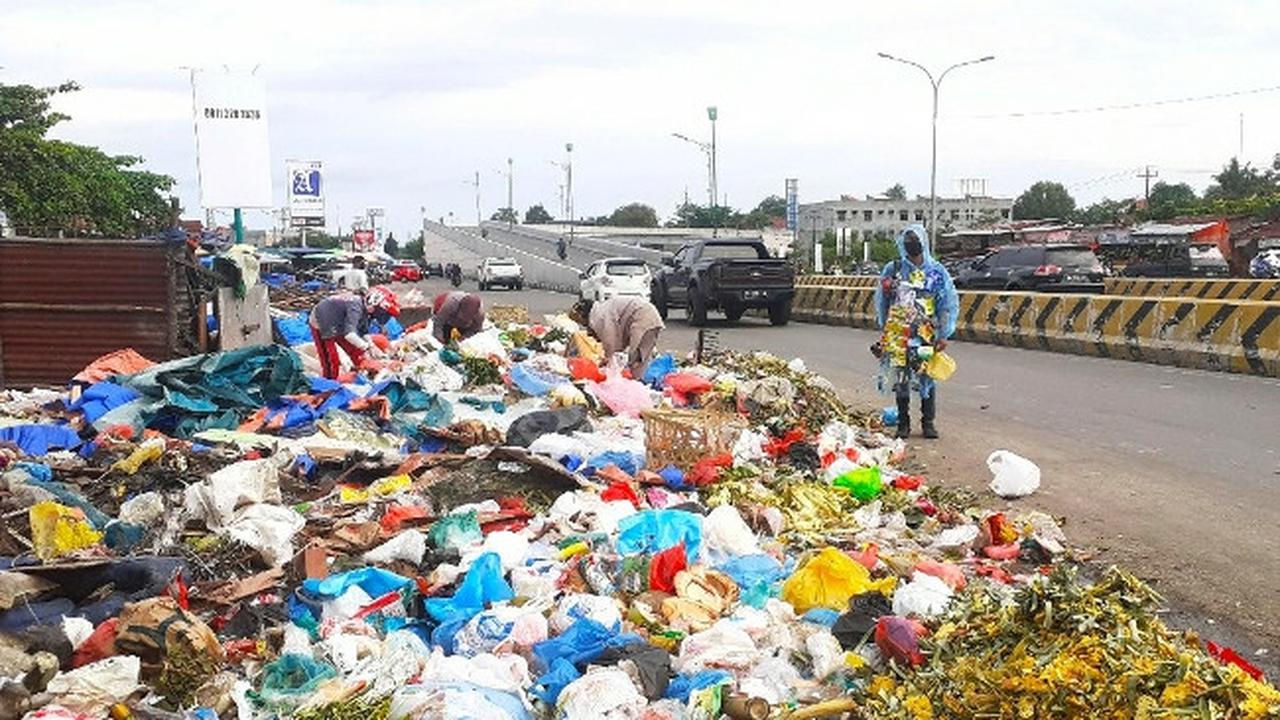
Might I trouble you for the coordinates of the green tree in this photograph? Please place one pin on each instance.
(52, 186)
(1167, 201)
(701, 216)
(770, 209)
(883, 249)
(505, 215)
(412, 249)
(537, 215)
(391, 246)
(1238, 181)
(1105, 212)
(897, 192)
(633, 215)
(1044, 199)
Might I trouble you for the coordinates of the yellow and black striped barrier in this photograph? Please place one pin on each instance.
(836, 280)
(1215, 334)
(1227, 289)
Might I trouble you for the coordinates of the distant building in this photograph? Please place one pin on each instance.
(853, 220)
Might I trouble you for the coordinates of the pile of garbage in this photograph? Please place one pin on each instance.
(512, 527)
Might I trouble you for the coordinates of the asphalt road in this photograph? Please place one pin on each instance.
(1172, 473)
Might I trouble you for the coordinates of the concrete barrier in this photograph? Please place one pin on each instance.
(1228, 289)
(836, 280)
(1230, 335)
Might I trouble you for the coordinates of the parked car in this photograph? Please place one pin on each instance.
(1061, 268)
(430, 269)
(728, 275)
(1177, 260)
(615, 277)
(500, 271)
(406, 271)
(1266, 264)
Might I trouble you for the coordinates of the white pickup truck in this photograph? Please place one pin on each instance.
(500, 271)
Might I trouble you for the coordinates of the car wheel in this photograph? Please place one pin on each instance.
(520, 285)
(734, 313)
(697, 307)
(780, 313)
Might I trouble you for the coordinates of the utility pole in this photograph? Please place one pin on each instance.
(933, 166)
(510, 186)
(1146, 176)
(568, 181)
(476, 183)
(711, 115)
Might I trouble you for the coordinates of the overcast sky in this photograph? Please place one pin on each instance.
(404, 100)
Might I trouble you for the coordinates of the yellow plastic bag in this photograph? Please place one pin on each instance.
(150, 450)
(940, 367)
(58, 530)
(828, 580)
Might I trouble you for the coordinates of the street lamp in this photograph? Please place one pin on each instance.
(933, 168)
(715, 197)
(510, 174)
(711, 173)
(568, 182)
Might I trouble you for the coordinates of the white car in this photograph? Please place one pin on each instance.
(501, 271)
(615, 277)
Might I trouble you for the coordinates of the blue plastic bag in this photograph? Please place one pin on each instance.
(627, 462)
(756, 576)
(659, 368)
(39, 439)
(482, 585)
(532, 381)
(376, 582)
(652, 531)
(825, 617)
(683, 685)
(295, 330)
(889, 415)
(547, 687)
(99, 398)
(673, 477)
(583, 642)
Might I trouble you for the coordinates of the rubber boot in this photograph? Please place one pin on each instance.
(928, 411)
(904, 415)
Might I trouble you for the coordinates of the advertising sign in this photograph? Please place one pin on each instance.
(306, 193)
(231, 139)
(793, 204)
(363, 240)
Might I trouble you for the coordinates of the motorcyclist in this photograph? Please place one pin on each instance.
(562, 249)
(916, 308)
(454, 272)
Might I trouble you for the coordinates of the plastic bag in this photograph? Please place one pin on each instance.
(581, 368)
(409, 546)
(500, 628)
(548, 687)
(1013, 476)
(952, 575)
(658, 369)
(623, 397)
(533, 381)
(924, 596)
(290, 680)
(269, 529)
(725, 534)
(576, 606)
(598, 694)
(455, 531)
(663, 568)
(680, 386)
(93, 688)
(58, 530)
(483, 585)
(652, 531)
(581, 643)
(864, 483)
(899, 640)
(828, 580)
(940, 367)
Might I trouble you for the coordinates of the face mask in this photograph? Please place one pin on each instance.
(913, 247)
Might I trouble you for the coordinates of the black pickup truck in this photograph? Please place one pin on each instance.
(728, 275)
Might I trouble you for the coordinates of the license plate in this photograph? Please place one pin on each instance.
(1076, 278)
(754, 294)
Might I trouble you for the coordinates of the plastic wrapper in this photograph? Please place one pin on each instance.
(925, 596)
(1013, 476)
(828, 580)
(600, 694)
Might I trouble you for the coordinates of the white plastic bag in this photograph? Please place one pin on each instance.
(409, 546)
(825, 651)
(1013, 476)
(925, 596)
(576, 606)
(269, 529)
(725, 534)
(93, 688)
(601, 693)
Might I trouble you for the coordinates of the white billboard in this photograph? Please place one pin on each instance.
(231, 139)
(306, 192)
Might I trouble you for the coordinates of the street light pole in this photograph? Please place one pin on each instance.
(568, 181)
(933, 166)
(477, 183)
(715, 195)
(708, 150)
(510, 186)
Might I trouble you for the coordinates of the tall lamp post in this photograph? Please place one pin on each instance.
(711, 173)
(715, 195)
(568, 182)
(933, 167)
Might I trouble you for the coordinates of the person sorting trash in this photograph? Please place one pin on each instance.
(916, 307)
(456, 315)
(354, 278)
(623, 325)
(342, 320)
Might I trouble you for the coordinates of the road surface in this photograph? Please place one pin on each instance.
(1172, 473)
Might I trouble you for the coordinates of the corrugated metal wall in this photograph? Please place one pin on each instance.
(64, 303)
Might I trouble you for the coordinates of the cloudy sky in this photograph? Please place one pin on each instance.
(404, 100)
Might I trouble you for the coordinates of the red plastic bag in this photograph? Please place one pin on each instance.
(396, 515)
(780, 446)
(946, 572)
(707, 470)
(1227, 656)
(869, 556)
(101, 644)
(581, 368)
(682, 384)
(899, 640)
(908, 482)
(380, 341)
(664, 566)
(619, 490)
(999, 530)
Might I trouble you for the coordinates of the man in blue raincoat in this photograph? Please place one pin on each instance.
(916, 307)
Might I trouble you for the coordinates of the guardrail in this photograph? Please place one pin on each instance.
(1231, 335)
(836, 280)
(1227, 289)
(539, 272)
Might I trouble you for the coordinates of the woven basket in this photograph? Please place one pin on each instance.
(508, 314)
(683, 437)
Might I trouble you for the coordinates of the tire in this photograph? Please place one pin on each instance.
(482, 285)
(697, 307)
(734, 313)
(659, 299)
(780, 313)
(520, 285)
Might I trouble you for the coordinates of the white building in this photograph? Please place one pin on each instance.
(855, 220)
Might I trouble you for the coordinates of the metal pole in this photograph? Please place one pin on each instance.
(477, 198)
(933, 174)
(510, 185)
(568, 147)
(238, 225)
(715, 187)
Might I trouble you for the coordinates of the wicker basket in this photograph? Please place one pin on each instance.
(503, 315)
(683, 437)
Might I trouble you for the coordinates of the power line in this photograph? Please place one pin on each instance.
(1128, 106)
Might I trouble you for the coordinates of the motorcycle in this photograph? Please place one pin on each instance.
(455, 274)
